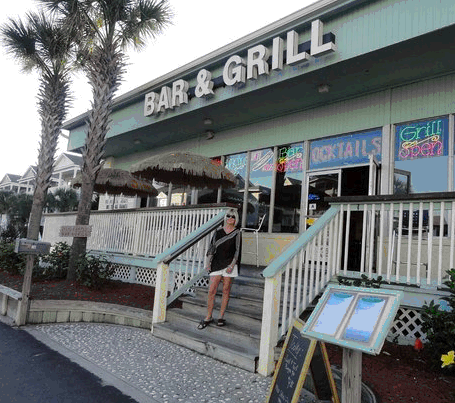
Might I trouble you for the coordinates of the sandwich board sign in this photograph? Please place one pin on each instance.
(300, 356)
(357, 319)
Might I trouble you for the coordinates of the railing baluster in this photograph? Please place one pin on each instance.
(364, 235)
(305, 278)
(285, 300)
(410, 231)
(419, 242)
(299, 282)
(320, 252)
(452, 237)
(391, 242)
(400, 228)
(339, 238)
(346, 244)
(331, 249)
(430, 241)
(371, 242)
(381, 239)
(313, 257)
(293, 273)
(441, 234)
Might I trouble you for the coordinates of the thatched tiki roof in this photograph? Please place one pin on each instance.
(118, 181)
(180, 168)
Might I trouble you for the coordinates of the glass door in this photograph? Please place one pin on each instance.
(321, 186)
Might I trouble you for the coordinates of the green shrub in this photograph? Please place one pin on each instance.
(94, 272)
(439, 324)
(11, 261)
(55, 264)
(364, 281)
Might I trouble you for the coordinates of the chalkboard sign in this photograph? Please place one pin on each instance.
(290, 372)
(299, 356)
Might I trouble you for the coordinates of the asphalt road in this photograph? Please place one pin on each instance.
(30, 372)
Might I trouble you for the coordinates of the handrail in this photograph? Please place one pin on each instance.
(280, 262)
(181, 246)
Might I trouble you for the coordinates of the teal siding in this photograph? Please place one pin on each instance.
(424, 99)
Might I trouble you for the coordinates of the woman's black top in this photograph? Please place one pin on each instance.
(225, 249)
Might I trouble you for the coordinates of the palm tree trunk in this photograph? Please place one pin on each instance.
(52, 115)
(104, 77)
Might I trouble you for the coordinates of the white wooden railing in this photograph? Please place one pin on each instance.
(406, 240)
(140, 232)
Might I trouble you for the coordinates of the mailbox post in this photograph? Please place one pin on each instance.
(30, 248)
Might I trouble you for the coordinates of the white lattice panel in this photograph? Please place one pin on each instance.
(122, 273)
(407, 327)
(181, 279)
(146, 276)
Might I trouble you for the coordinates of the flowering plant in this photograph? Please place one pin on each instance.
(448, 359)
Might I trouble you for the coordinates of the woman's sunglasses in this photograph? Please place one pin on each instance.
(230, 216)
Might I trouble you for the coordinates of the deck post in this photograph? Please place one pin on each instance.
(270, 320)
(159, 305)
(351, 389)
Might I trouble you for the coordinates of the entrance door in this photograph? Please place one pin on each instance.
(321, 186)
(348, 181)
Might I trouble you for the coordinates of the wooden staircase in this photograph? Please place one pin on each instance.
(237, 343)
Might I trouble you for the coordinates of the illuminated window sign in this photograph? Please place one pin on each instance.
(346, 150)
(354, 317)
(422, 139)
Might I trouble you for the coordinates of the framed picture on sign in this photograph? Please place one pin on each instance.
(354, 317)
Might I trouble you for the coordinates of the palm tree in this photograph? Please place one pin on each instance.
(106, 28)
(39, 44)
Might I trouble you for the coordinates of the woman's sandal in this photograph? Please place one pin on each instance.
(221, 322)
(204, 323)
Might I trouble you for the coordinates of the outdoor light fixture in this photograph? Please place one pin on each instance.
(137, 142)
(323, 88)
(208, 121)
(210, 134)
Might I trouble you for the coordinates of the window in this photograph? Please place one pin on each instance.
(289, 169)
(260, 187)
(421, 150)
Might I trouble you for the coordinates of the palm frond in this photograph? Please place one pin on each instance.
(19, 40)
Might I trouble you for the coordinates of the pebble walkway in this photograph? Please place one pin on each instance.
(164, 371)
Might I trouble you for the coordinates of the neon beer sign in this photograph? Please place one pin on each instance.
(421, 139)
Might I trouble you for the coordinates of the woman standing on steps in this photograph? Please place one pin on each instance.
(223, 264)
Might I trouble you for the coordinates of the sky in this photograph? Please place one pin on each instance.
(199, 27)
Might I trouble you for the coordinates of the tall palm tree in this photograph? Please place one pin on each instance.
(106, 28)
(40, 44)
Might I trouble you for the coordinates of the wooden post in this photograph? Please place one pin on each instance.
(351, 387)
(159, 306)
(270, 320)
(22, 307)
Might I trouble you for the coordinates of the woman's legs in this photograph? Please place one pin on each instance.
(213, 286)
(227, 284)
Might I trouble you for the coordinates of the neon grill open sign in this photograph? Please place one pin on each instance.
(422, 139)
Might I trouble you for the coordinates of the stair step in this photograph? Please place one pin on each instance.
(205, 343)
(237, 306)
(236, 331)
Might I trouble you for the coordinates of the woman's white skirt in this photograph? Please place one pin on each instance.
(224, 273)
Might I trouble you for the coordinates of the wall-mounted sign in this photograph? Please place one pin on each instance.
(354, 317)
(348, 149)
(422, 139)
(237, 70)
